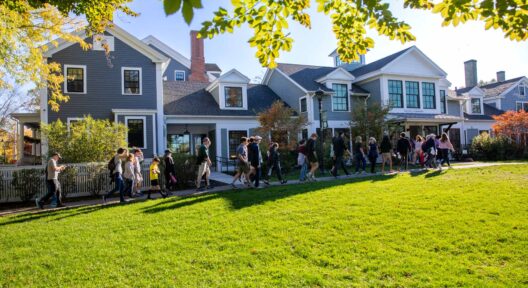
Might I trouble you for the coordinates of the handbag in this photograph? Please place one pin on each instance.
(173, 179)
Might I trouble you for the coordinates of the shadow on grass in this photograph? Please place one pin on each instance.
(58, 214)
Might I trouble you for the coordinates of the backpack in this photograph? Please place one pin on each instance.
(111, 165)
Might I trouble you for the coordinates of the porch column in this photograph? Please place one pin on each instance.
(20, 141)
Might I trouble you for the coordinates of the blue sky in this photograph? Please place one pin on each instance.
(447, 46)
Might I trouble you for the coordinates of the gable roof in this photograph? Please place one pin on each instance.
(378, 64)
(497, 88)
(122, 35)
(488, 112)
(191, 98)
(151, 40)
(305, 75)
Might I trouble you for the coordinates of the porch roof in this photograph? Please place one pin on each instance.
(423, 118)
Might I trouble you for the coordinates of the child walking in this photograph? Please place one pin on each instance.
(154, 178)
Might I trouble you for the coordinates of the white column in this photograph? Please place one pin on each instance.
(20, 141)
(160, 123)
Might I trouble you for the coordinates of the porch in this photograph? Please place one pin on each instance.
(29, 146)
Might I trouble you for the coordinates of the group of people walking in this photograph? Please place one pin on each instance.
(125, 166)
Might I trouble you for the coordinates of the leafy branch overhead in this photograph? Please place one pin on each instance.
(269, 20)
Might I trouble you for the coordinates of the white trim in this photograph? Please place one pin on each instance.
(216, 83)
(349, 87)
(300, 104)
(140, 80)
(481, 106)
(151, 40)
(222, 96)
(176, 71)
(156, 57)
(523, 103)
(328, 77)
(69, 119)
(85, 78)
(135, 111)
(144, 118)
(160, 138)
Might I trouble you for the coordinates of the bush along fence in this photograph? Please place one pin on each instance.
(81, 179)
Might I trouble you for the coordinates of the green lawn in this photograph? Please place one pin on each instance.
(455, 228)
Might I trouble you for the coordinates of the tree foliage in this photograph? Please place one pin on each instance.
(88, 140)
(278, 122)
(369, 121)
(513, 125)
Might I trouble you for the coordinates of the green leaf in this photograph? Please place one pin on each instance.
(196, 3)
(188, 13)
(171, 6)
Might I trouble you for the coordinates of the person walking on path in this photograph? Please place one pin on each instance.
(373, 154)
(204, 163)
(311, 155)
(444, 147)
(340, 148)
(359, 155)
(242, 162)
(154, 179)
(138, 179)
(386, 153)
(429, 148)
(418, 153)
(129, 175)
(255, 159)
(118, 175)
(302, 161)
(52, 182)
(274, 164)
(170, 174)
(403, 147)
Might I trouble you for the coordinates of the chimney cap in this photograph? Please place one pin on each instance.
(470, 60)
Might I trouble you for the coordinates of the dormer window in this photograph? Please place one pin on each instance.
(475, 106)
(233, 97)
(179, 75)
(338, 61)
(340, 98)
(522, 90)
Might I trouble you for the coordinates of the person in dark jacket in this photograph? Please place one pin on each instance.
(404, 148)
(373, 154)
(311, 155)
(255, 159)
(274, 163)
(429, 149)
(170, 174)
(359, 155)
(340, 148)
(386, 153)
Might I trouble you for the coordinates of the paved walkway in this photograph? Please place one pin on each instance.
(224, 178)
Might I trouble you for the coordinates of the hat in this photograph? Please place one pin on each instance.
(167, 151)
(258, 138)
(56, 154)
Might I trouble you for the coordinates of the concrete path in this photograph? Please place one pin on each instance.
(225, 178)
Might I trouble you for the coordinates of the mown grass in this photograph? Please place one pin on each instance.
(450, 229)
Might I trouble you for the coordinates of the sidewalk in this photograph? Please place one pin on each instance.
(223, 178)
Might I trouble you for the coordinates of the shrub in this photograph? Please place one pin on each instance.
(98, 179)
(185, 166)
(28, 183)
(485, 147)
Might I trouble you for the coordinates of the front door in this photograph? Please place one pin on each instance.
(454, 137)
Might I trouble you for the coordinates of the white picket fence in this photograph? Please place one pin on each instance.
(88, 179)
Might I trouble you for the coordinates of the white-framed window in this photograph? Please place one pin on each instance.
(303, 105)
(476, 106)
(137, 131)
(131, 83)
(179, 75)
(340, 98)
(519, 105)
(522, 90)
(75, 79)
(233, 97)
(71, 121)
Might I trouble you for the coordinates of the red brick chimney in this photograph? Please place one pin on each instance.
(197, 59)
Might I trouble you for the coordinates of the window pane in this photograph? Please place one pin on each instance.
(75, 80)
(304, 106)
(136, 133)
(443, 102)
(234, 141)
(428, 94)
(475, 106)
(179, 143)
(522, 91)
(518, 106)
(395, 94)
(131, 81)
(340, 99)
(413, 94)
(233, 97)
(179, 76)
